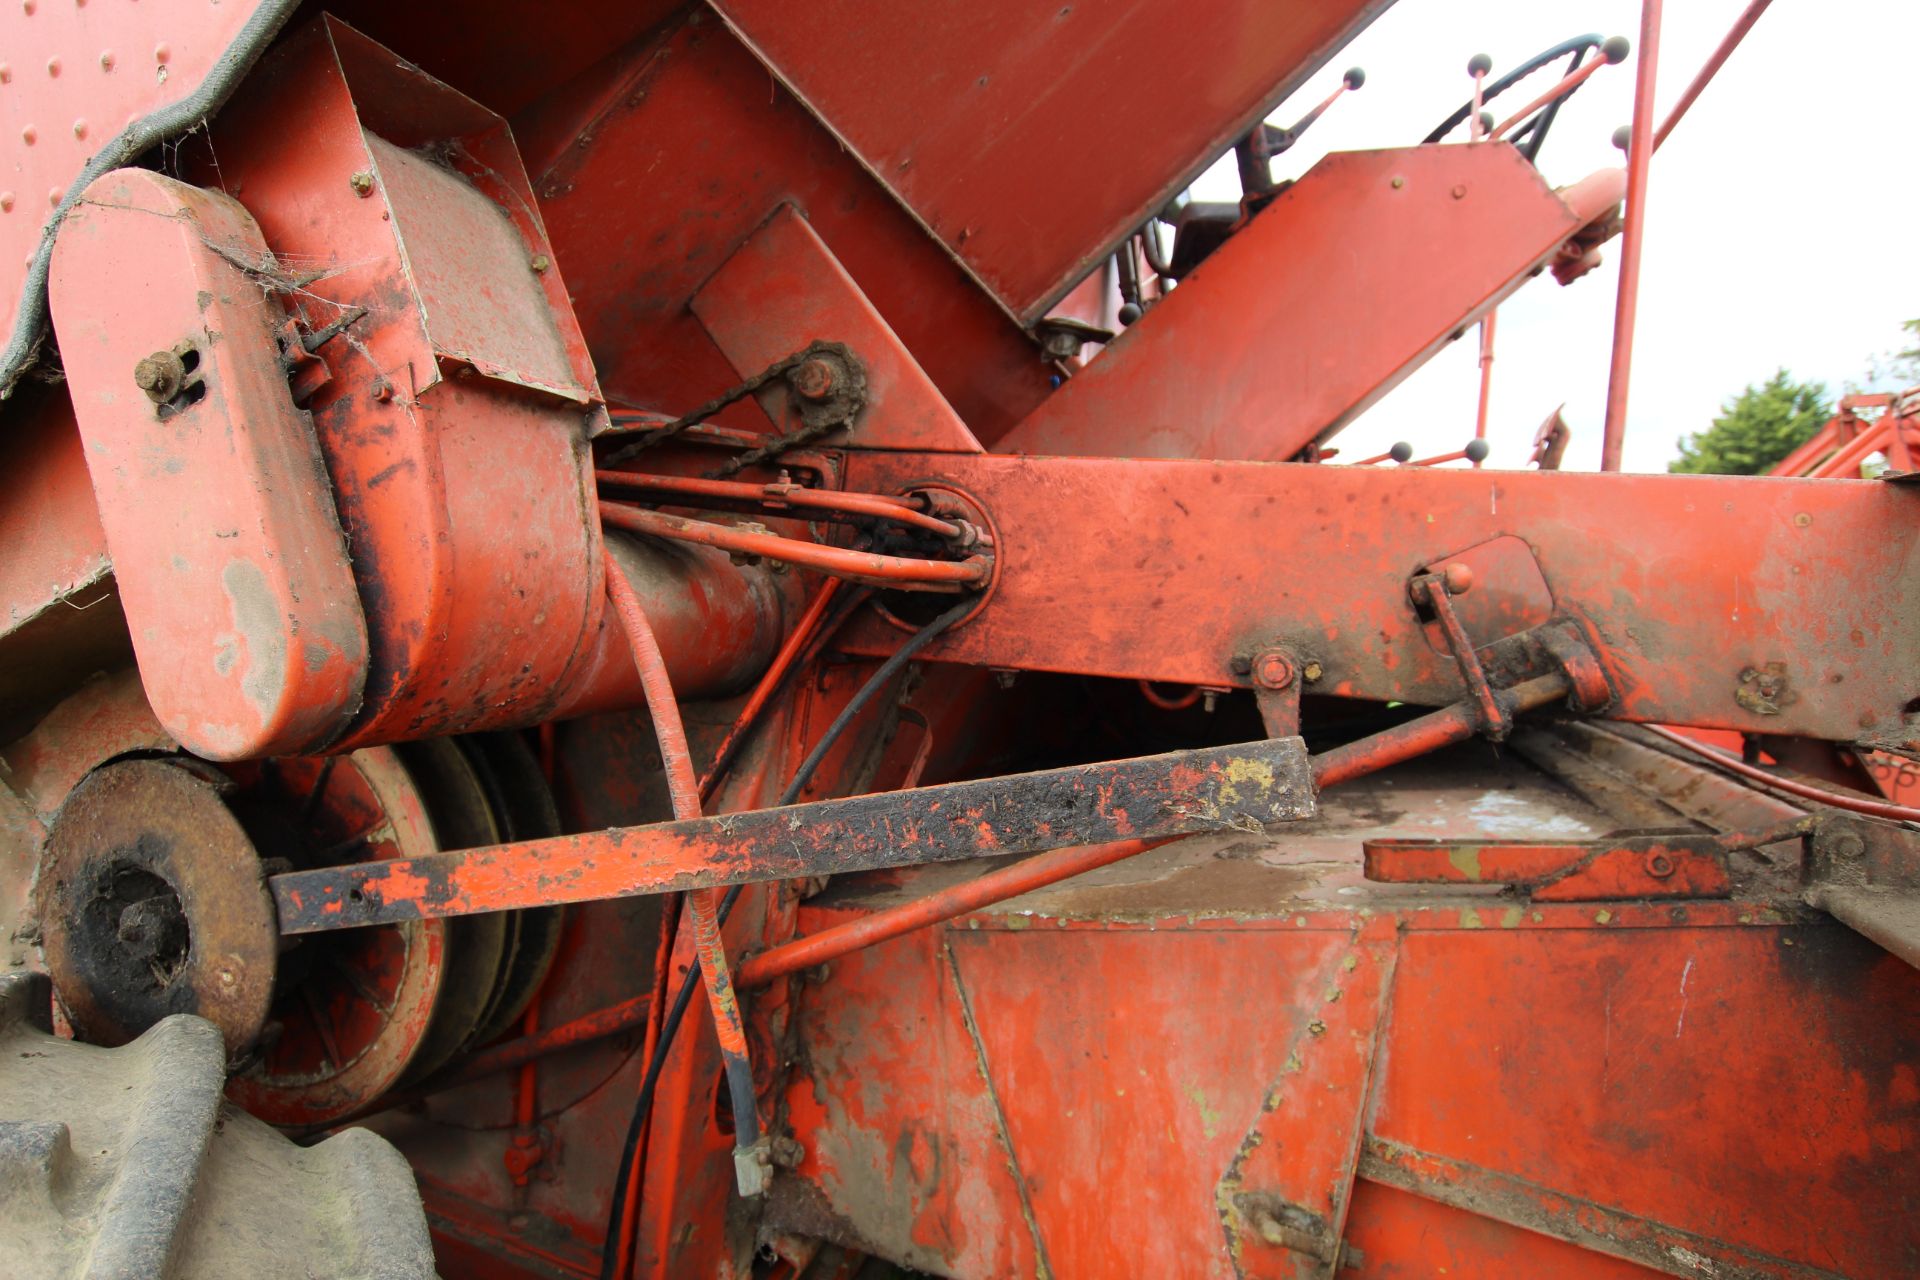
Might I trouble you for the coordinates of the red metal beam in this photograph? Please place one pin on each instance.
(1685, 582)
(1203, 790)
(1279, 338)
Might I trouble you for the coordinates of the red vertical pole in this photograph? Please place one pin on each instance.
(1639, 153)
(1486, 375)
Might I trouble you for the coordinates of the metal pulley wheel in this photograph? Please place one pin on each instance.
(153, 901)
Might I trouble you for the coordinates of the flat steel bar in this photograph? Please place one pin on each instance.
(1216, 788)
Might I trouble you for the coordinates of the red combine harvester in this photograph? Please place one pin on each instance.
(595, 624)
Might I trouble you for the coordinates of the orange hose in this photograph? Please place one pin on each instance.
(683, 789)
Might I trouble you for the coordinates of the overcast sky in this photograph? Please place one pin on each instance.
(1781, 217)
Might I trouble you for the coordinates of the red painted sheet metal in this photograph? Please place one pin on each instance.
(943, 1193)
(782, 290)
(229, 558)
(454, 440)
(1285, 1197)
(505, 53)
(1687, 581)
(977, 114)
(1639, 1056)
(1399, 1235)
(1281, 337)
(72, 78)
(48, 523)
(657, 165)
(1071, 1091)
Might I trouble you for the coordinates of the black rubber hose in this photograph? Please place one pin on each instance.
(1579, 44)
(677, 1012)
(1536, 130)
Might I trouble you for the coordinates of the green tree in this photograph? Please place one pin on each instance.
(1756, 429)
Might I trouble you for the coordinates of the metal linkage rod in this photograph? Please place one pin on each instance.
(1741, 26)
(1330, 768)
(907, 573)
(877, 506)
(1206, 789)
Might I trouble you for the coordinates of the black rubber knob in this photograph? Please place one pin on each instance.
(1401, 452)
(1477, 451)
(1479, 64)
(1622, 136)
(1129, 312)
(1615, 49)
(1355, 77)
(1486, 123)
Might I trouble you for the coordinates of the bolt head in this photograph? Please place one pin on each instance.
(1272, 670)
(1312, 672)
(1659, 865)
(1846, 846)
(813, 379)
(160, 376)
(362, 183)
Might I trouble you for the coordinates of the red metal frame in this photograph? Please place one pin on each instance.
(1503, 1012)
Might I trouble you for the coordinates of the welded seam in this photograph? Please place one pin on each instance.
(30, 315)
(1045, 1268)
(1383, 952)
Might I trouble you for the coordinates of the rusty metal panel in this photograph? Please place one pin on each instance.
(1284, 1197)
(657, 166)
(1674, 1131)
(1688, 582)
(226, 549)
(1208, 789)
(974, 114)
(782, 290)
(1121, 1111)
(948, 1196)
(1351, 279)
(1399, 1235)
(496, 321)
(462, 480)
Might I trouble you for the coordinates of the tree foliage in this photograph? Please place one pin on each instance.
(1756, 429)
(1897, 369)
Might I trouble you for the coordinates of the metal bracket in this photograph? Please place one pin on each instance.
(1434, 591)
(1866, 874)
(1658, 865)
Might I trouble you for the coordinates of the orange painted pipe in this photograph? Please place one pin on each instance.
(1632, 237)
(907, 572)
(1036, 872)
